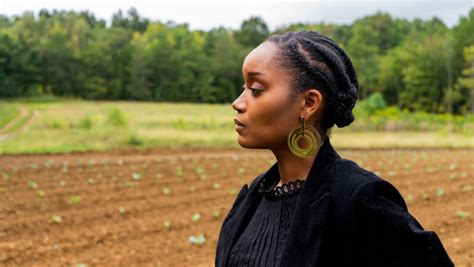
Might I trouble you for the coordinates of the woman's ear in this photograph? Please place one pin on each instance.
(313, 100)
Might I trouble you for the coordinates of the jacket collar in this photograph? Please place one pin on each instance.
(306, 232)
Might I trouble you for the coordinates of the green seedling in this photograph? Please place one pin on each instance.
(409, 197)
(91, 181)
(197, 240)
(439, 192)
(452, 166)
(79, 162)
(232, 192)
(467, 187)
(76, 200)
(430, 170)
(122, 210)
(425, 196)
(199, 170)
(461, 214)
(62, 183)
(196, 217)
(48, 163)
(241, 170)
(41, 193)
(216, 214)
(167, 224)
(216, 185)
(166, 191)
(128, 184)
(32, 184)
(179, 171)
(136, 176)
(55, 219)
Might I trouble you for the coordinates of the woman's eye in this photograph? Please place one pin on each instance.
(254, 91)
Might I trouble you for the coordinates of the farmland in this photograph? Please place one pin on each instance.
(150, 207)
(86, 183)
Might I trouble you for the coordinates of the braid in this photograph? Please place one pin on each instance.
(315, 75)
(319, 62)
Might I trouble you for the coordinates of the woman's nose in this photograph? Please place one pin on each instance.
(238, 104)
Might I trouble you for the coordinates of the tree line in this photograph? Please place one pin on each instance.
(417, 64)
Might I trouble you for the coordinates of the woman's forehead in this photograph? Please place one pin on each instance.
(261, 61)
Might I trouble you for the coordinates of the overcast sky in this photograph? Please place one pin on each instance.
(206, 15)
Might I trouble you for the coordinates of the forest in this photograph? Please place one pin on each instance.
(415, 65)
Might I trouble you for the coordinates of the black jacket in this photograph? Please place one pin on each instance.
(345, 216)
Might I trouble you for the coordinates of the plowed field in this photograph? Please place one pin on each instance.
(140, 208)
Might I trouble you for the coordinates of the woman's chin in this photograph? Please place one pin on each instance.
(245, 143)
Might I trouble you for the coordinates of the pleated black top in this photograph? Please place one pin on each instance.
(263, 240)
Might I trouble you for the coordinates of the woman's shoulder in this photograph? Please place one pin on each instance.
(356, 183)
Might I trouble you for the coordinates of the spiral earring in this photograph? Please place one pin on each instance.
(304, 131)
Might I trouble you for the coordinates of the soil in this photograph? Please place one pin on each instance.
(124, 202)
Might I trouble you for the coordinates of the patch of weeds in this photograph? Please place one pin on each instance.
(134, 140)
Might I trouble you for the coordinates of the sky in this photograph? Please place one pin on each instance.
(209, 14)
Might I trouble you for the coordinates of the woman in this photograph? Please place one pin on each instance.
(312, 208)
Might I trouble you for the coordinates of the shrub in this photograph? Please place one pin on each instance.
(373, 103)
(86, 123)
(117, 118)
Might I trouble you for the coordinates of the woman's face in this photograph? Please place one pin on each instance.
(265, 106)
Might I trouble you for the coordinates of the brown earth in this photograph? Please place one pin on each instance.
(437, 185)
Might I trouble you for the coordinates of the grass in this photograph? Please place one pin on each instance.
(7, 113)
(17, 124)
(70, 125)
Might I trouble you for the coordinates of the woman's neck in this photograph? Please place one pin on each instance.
(292, 167)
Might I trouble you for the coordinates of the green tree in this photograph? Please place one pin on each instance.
(467, 79)
(252, 32)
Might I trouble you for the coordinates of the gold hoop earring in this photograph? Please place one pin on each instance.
(304, 131)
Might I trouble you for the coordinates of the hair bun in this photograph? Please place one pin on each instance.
(345, 102)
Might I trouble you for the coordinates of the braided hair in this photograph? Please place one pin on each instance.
(317, 61)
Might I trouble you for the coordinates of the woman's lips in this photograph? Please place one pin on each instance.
(237, 122)
(238, 125)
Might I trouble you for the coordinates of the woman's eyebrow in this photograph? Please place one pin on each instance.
(254, 73)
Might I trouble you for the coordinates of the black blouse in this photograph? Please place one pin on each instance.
(262, 242)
